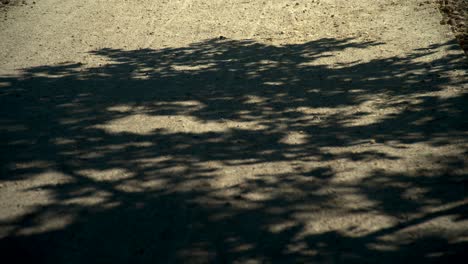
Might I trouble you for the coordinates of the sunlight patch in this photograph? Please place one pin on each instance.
(274, 83)
(63, 141)
(294, 138)
(111, 175)
(191, 67)
(5, 84)
(253, 99)
(143, 124)
(369, 113)
(48, 222)
(178, 106)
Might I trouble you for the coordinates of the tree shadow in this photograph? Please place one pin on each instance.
(138, 189)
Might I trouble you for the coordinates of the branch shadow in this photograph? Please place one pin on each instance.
(137, 189)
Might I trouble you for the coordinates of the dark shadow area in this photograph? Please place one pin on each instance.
(167, 209)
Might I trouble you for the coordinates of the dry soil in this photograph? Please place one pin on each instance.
(232, 131)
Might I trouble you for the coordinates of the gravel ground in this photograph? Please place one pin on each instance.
(232, 131)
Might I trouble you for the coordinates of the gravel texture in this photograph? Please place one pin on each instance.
(232, 131)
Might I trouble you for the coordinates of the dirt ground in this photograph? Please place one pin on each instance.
(232, 131)
(455, 14)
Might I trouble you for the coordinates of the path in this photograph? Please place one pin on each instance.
(229, 131)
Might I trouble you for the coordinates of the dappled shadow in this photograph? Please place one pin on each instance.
(235, 150)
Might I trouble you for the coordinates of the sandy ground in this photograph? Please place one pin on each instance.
(232, 131)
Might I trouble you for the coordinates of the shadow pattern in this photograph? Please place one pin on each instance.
(162, 201)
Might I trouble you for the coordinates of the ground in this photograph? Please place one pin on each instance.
(232, 131)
